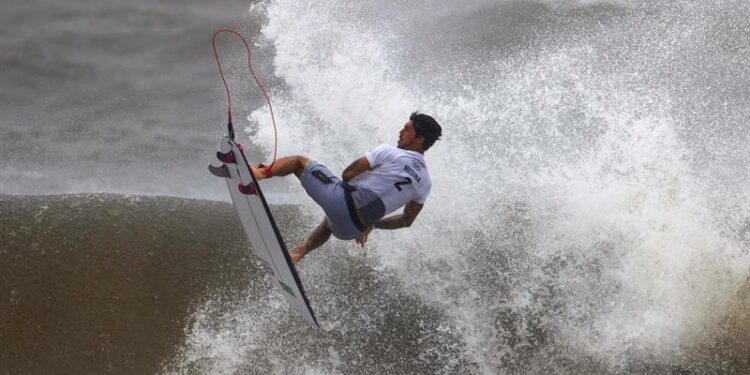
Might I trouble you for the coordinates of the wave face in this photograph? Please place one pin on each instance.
(100, 283)
(104, 283)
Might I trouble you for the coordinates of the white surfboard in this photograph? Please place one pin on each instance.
(260, 227)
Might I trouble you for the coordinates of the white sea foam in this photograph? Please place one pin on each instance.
(620, 256)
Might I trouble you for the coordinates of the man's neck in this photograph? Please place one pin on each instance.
(412, 148)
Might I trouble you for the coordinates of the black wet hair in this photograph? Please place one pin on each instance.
(426, 127)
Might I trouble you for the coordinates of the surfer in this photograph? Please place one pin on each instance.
(373, 186)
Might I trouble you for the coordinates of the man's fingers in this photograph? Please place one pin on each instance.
(361, 240)
(363, 237)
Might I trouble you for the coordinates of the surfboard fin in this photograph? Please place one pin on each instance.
(219, 171)
(248, 189)
(226, 157)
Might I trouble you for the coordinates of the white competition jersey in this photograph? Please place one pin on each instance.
(395, 178)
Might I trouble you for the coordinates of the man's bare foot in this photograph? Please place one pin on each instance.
(258, 171)
(297, 253)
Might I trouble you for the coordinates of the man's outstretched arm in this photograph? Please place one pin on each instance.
(404, 219)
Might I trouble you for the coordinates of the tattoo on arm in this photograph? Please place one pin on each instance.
(401, 220)
(348, 170)
(392, 222)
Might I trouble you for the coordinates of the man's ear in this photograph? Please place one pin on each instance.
(420, 141)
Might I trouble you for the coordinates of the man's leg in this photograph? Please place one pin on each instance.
(317, 237)
(282, 167)
(285, 166)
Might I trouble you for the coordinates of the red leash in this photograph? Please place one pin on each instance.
(229, 96)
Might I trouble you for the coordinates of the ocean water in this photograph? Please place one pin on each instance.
(590, 210)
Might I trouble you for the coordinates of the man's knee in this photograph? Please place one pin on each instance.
(302, 160)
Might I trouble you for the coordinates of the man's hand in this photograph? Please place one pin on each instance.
(363, 237)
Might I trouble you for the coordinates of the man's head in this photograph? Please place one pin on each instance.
(419, 133)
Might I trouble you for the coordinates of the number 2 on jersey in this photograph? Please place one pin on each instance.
(406, 181)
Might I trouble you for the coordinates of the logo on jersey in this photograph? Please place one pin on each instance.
(412, 173)
(416, 165)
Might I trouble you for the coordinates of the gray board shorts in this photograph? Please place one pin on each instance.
(330, 196)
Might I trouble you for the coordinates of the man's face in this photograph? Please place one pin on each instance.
(407, 137)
